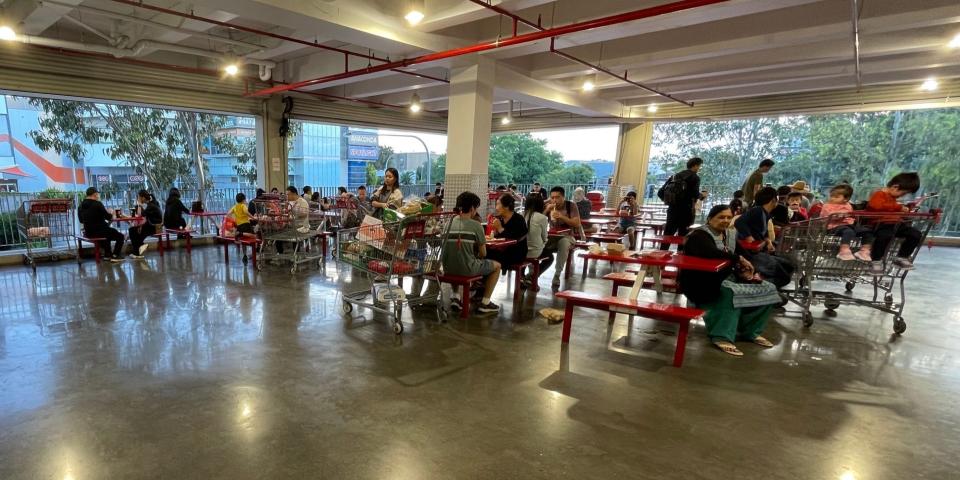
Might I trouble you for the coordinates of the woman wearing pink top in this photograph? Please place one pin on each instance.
(841, 223)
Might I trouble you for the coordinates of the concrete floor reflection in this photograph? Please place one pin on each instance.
(186, 367)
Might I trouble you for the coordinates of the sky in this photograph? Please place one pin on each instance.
(573, 144)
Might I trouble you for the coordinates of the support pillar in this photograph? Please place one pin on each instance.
(468, 127)
(271, 147)
(633, 159)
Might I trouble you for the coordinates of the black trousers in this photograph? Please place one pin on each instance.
(112, 235)
(885, 233)
(679, 219)
(139, 233)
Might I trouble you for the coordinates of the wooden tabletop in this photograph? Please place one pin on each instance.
(680, 261)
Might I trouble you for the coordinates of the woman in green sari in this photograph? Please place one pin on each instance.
(737, 303)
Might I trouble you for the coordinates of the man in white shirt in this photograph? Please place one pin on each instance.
(299, 207)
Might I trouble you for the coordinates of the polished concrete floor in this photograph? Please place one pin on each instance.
(184, 367)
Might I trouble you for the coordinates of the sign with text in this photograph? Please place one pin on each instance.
(363, 139)
(135, 178)
(363, 153)
(103, 178)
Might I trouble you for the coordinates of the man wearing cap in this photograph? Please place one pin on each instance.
(96, 224)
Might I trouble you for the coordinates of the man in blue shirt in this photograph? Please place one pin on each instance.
(752, 225)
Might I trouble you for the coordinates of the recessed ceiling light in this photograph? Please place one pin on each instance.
(231, 69)
(7, 33)
(929, 85)
(414, 17)
(588, 85)
(653, 108)
(955, 43)
(505, 120)
(415, 103)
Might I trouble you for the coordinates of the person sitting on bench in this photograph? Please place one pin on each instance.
(149, 209)
(737, 303)
(174, 211)
(464, 251)
(507, 224)
(537, 233)
(96, 224)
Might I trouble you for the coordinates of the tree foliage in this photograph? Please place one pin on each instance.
(863, 149)
(521, 158)
(163, 145)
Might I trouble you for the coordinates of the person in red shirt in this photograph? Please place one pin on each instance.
(885, 200)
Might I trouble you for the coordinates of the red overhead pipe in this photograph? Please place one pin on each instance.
(256, 31)
(516, 18)
(508, 42)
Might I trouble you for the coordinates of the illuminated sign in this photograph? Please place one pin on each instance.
(135, 178)
(355, 152)
(363, 139)
(103, 178)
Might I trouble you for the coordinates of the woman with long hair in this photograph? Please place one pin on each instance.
(149, 209)
(389, 194)
(174, 211)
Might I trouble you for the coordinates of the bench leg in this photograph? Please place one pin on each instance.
(535, 284)
(188, 242)
(516, 282)
(96, 252)
(681, 343)
(585, 263)
(465, 300)
(613, 315)
(567, 322)
(226, 252)
(160, 245)
(569, 265)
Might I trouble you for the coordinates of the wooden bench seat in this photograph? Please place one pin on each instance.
(655, 311)
(242, 243)
(96, 246)
(464, 282)
(179, 232)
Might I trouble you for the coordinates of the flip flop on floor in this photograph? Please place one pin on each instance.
(728, 348)
(763, 342)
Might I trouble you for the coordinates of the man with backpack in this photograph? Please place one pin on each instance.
(680, 193)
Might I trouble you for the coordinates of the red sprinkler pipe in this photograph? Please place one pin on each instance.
(508, 42)
(516, 18)
(256, 31)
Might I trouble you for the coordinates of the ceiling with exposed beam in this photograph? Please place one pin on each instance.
(720, 53)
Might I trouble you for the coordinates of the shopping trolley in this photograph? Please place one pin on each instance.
(48, 229)
(385, 253)
(814, 250)
(287, 236)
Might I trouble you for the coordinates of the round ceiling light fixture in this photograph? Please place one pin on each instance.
(929, 85)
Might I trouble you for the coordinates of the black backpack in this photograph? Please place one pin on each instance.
(674, 189)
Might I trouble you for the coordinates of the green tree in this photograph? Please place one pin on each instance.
(579, 174)
(408, 177)
(372, 179)
(163, 145)
(520, 158)
(385, 154)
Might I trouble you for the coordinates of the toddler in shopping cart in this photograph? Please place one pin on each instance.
(842, 223)
(886, 228)
(241, 216)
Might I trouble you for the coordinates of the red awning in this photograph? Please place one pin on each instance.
(14, 170)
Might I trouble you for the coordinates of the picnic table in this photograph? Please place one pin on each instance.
(556, 232)
(653, 262)
(204, 215)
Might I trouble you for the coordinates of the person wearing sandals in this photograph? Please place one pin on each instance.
(737, 302)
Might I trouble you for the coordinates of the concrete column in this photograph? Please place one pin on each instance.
(468, 127)
(271, 147)
(633, 158)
